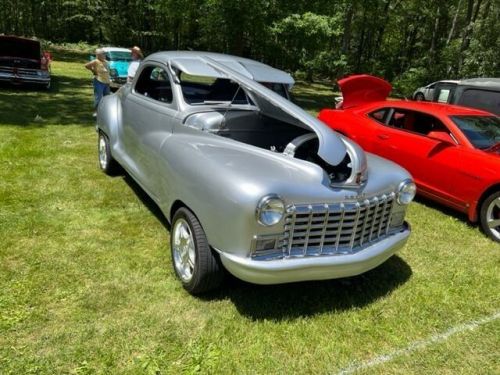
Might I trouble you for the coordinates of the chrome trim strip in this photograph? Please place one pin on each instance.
(355, 226)
(325, 224)
(337, 240)
(292, 228)
(308, 230)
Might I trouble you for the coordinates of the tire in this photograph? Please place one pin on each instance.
(489, 216)
(194, 262)
(419, 97)
(106, 162)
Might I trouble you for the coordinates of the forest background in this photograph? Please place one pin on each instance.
(408, 42)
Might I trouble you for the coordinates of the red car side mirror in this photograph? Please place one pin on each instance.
(441, 136)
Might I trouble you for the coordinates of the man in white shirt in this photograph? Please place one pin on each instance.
(136, 60)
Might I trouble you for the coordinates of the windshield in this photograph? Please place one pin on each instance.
(122, 56)
(482, 131)
(211, 90)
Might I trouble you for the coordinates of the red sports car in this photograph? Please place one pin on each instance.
(452, 152)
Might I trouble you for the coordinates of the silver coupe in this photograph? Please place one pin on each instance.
(248, 181)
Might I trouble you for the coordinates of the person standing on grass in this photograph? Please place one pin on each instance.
(100, 68)
(136, 60)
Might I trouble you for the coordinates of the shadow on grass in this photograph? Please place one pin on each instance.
(146, 200)
(445, 210)
(291, 301)
(298, 300)
(66, 103)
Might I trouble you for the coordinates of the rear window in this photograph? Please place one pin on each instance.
(482, 99)
(210, 90)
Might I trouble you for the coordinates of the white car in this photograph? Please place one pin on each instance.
(426, 93)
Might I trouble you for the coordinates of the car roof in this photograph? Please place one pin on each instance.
(481, 82)
(115, 49)
(447, 81)
(430, 107)
(193, 63)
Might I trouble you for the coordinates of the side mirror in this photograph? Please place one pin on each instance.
(441, 136)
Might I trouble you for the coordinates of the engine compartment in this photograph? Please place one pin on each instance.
(256, 129)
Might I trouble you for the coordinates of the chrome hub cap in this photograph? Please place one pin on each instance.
(103, 158)
(183, 250)
(493, 217)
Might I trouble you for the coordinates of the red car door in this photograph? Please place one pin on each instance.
(422, 144)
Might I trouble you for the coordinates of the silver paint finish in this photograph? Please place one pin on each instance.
(174, 154)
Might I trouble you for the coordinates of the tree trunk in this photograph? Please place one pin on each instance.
(346, 39)
(472, 13)
(454, 23)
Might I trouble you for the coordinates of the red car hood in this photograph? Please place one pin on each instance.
(362, 89)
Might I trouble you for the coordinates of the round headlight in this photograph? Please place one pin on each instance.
(270, 210)
(406, 192)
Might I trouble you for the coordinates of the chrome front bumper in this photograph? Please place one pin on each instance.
(320, 267)
(24, 78)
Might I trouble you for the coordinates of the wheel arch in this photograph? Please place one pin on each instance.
(418, 93)
(474, 213)
(109, 115)
(175, 206)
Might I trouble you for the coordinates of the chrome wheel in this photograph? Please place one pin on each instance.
(103, 155)
(493, 218)
(183, 249)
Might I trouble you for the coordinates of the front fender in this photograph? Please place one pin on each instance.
(109, 118)
(222, 182)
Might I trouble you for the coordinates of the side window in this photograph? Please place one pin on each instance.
(379, 115)
(154, 83)
(482, 99)
(416, 122)
(443, 96)
(431, 86)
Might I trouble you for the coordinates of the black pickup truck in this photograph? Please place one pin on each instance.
(22, 61)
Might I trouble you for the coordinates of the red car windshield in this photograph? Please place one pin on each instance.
(482, 131)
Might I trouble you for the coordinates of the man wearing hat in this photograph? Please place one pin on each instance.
(136, 60)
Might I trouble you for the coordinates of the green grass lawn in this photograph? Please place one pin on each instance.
(87, 284)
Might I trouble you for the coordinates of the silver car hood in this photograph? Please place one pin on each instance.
(331, 148)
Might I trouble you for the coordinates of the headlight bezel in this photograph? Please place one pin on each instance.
(406, 187)
(266, 202)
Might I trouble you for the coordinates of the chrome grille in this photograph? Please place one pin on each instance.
(340, 228)
(19, 71)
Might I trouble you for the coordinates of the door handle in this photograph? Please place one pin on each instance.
(383, 136)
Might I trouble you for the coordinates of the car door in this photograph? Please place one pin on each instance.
(429, 91)
(149, 115)
(423, 145)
